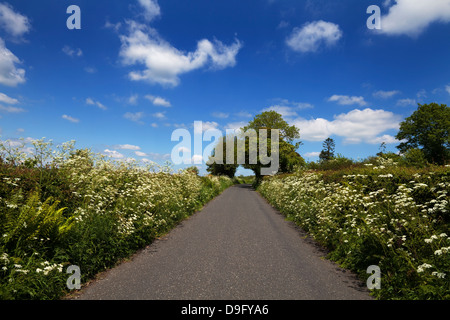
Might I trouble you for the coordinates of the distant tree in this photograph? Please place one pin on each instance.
(222, 169)
(327, 152)
(288, 157)
(427, 129)
(192, 169)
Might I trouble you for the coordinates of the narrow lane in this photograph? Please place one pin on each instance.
(237, 247)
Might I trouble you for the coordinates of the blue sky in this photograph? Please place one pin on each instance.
(137, 70)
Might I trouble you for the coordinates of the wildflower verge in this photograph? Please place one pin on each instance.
(394, 217)
(62, 207)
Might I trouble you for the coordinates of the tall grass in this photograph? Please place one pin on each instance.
(60, 206)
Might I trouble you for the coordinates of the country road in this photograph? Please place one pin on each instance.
(238, 247)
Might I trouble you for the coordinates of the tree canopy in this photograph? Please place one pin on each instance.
(285, 148)
(427, 129)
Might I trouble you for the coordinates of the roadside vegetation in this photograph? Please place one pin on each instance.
(60, 206)
(376, 213)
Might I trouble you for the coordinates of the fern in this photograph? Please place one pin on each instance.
(35, 222)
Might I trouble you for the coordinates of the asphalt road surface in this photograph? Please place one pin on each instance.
(238, 247)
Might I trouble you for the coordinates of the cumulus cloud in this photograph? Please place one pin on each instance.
(447, 88)
(92, 102)
(356, 126)
(311, 154)
(406, 102)
(71, 52)
(412, 17)
(8, 100)
(12, 22)
(159, 115)
(385, 94)
(163, 63)
(151, 9)
(288, 108)
(347, 100)
(220, 115)
(312, 36)
(10, 109)
(158, 101)
(135, 117)
(10, 75)
(113, 154)
(127, 147)
(69, 118)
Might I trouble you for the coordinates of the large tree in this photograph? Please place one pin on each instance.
(427, 129)
(288, 156)
(224, 168)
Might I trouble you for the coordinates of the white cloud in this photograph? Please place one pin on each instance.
(236, 125)
(311, 154)
(288, 108)
(283, 110)
(243, 114)
(92, 102)
(12, 22)
(151, 9)
(133, 99)
(113, 154)
(136, 117)
(158, 101)
(388, 139)
(447, 88)
(9, 74)
(197, 159)
(127, 147)
(356, 126)
(184, 149)
(159, 115)
(347, 100)
(406, 102)
(10, 109)
(164, 63)
(220, 115)
(385, 94)
(313, 35)
(412, 17)
(140, 154)
(69, 118)
(72, 52)
(8, 100)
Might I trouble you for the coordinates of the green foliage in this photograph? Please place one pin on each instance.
(96, 212)
(376, 213)
(414, 158)
(427, 128)
(274, 120)
(338, 162)
(289, 159)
